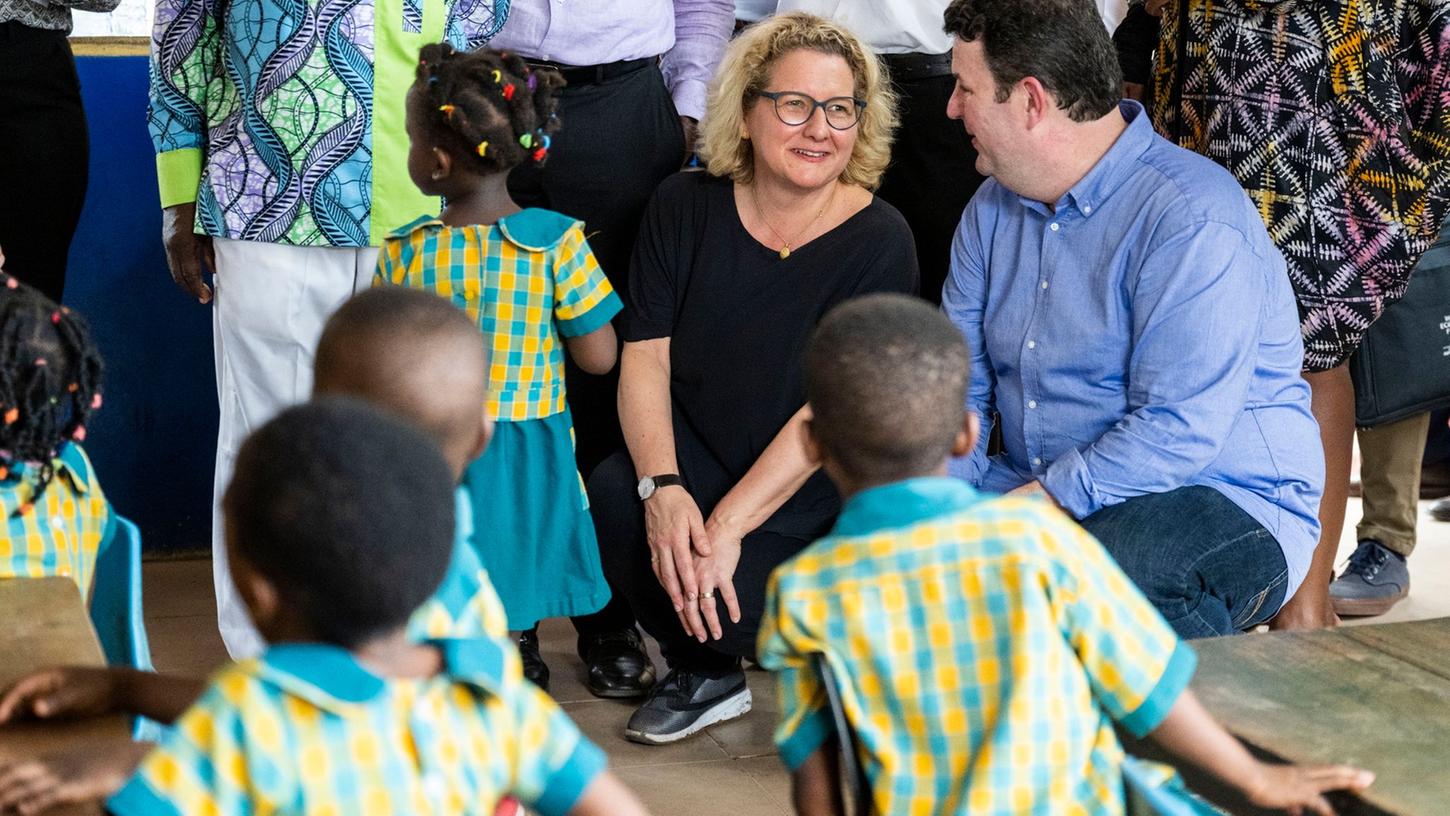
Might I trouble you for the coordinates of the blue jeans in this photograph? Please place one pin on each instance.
(1208, 566)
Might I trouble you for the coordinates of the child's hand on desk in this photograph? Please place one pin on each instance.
(61, 692)
(1300, 788)
(34, 786)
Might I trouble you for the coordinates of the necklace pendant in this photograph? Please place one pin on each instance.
(784, 252)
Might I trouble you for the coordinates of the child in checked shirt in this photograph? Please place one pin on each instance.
(984, 647)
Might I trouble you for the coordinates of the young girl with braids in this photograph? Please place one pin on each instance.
(53, 515)
(530, 280)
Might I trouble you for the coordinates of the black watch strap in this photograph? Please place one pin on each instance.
(667, 480)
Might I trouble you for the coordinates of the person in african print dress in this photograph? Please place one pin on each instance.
(278, 129)
(531, 282)
(1335, 117)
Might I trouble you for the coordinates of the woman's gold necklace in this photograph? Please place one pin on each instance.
(784, 244)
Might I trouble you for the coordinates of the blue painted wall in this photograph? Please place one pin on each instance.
(154, 442)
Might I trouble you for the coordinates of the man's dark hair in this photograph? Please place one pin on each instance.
(348, 511)
(886, 378)
(1062, 43)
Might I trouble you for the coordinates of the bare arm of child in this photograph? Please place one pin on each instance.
(816, 784)
(91, 774)
(1190, 734)
(607, 796)
(595, 352)
(74, 691)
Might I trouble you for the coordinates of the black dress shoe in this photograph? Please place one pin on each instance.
(686, 702)
(536, 671)
(617, 665)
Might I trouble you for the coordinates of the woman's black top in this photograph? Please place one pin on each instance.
(739, 318)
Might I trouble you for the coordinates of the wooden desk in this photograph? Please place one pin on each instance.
(45, 624)
(1373, 696)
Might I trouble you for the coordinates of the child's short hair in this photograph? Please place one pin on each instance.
(487, 105)
(348, 511)
(886, 378)
(388, 346)
(50, 379)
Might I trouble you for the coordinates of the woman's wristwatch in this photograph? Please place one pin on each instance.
(649, 484)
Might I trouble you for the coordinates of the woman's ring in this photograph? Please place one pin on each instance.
(709, 595)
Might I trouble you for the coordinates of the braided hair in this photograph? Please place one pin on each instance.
(50, 382)
(486, 104)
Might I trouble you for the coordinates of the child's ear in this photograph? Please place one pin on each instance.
(442, 164)
(809, 441)
(485, 433)
(966, 439)
(258, 593)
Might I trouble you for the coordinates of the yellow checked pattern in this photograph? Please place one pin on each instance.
(334, 739)
(477, 614)
(526, 282)
(983, 656)
(61, 533)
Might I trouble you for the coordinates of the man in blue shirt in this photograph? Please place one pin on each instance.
(1132, 326)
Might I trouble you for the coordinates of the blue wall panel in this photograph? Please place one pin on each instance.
(154, 442)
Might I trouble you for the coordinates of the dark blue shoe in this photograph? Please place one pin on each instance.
(686, 702)
(1375, 580)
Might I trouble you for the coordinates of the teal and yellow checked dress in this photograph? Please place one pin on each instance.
(529, 281)
(61, 533)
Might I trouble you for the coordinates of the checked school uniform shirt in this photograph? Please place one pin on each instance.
(466, 604)
(62, 533)
(520, 280)
(985, 647)
(306, 729)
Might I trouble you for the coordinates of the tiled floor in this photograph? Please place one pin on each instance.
(731, 770)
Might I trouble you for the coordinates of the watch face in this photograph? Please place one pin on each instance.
(646, 488)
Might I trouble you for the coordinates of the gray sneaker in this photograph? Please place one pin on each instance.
(1375, 580)
(686, 702)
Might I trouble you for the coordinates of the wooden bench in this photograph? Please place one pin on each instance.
(1374, 696)
(45, 624)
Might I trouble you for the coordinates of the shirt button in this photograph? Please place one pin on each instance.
(1088, 210)
(1053, 226)
(1032, 403)
(58, 523)
(1032, 344)
(1044, 284)
(1036, 461)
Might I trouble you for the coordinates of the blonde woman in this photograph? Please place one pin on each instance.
(732, 269)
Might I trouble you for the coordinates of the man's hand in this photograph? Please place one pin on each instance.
(675, 531)
(1034, 488)
(715, 575)
(188, 254)
(691, 129)
(87, 774)
(1308, 609)
(61, 692)
(1299, 789)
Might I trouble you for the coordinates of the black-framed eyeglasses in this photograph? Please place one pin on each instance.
(795, 108)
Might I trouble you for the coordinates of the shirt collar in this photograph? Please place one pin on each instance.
(69, 464)
(331, 678)
(901, 504)
(1115, 165)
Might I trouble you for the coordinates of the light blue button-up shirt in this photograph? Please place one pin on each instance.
(1138, 337)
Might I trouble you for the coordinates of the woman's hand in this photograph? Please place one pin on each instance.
(715, 576)
(673, 524)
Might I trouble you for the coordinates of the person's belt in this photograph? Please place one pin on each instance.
(577, 75)
(918, 66)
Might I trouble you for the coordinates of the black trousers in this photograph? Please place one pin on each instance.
(619, 139)
(619, 520)
(43, 154)
(932, 176)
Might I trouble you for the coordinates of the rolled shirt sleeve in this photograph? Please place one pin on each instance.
(702, 28)
(185, 46)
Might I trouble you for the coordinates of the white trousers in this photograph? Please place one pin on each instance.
(271, 303)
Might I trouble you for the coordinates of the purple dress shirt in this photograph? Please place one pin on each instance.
(691, 34)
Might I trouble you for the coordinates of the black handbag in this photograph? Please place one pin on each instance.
(1402, 367)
